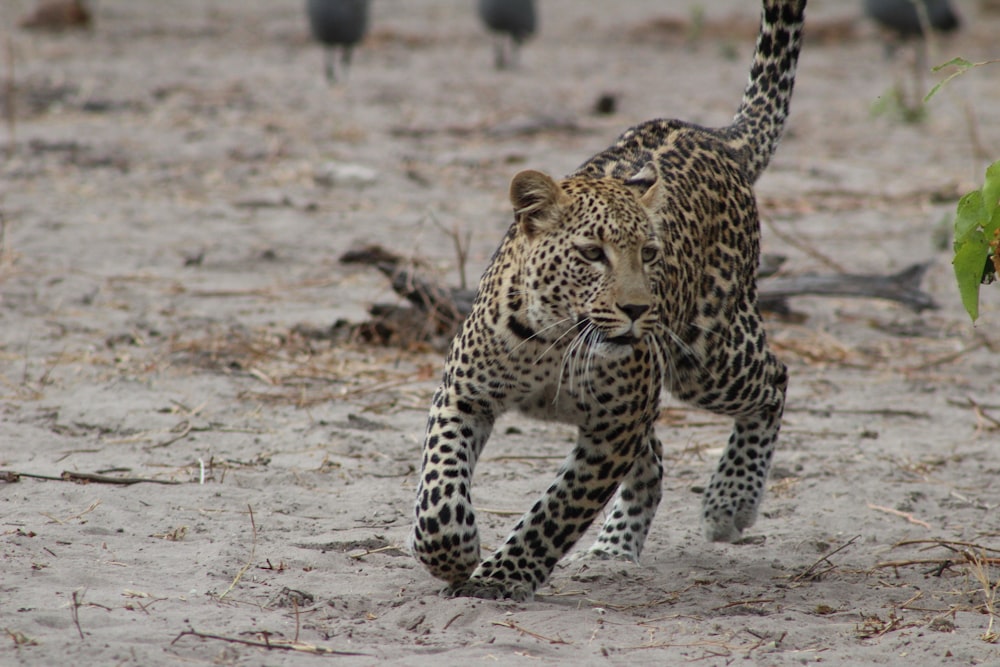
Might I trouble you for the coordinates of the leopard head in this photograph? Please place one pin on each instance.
(589, 250)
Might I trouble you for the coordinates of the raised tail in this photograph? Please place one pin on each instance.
(760, 120)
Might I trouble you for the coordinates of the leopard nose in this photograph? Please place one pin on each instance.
(634, 310)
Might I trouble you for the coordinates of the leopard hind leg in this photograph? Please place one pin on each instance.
(741, 379)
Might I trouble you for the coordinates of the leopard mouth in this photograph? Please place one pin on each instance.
(625, 339)
(628, 339)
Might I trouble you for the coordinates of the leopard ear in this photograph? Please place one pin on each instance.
(647, 185)
(537, 201)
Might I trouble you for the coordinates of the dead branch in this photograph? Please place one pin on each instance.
(278, 645)
(10, 99)
(85, 477)
(941, 562)
(518, 127)
(810, 572)
(253, 552)
(906, 515)
(525, 631)
(947, 544)
(902, 287)
(74, 610)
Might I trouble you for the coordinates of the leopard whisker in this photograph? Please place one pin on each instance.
(593, 341)
(556, 341)
(538, 333)
(569, 357)
(724, 338)
(668, 370)
(676, 340)
(658, 377)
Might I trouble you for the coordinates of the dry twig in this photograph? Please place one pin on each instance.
(810, 572)
(525, 631)
(85, 477)
(91, 508)
(253, 552)
(74, 610)
(947, 544)
(268, 643)
(906, 515)
(369, 552)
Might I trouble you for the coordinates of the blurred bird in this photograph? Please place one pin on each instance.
(902, 17)
(904, 21)
(337, 23)
(58, 15)
(513, 18)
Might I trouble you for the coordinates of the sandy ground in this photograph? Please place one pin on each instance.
(181, 185)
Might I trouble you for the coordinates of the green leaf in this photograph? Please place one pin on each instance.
(969, 216)
(933, 91)
(970, 258)
(991, 189)
(960, 63)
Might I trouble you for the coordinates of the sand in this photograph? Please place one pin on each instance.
(180, 187)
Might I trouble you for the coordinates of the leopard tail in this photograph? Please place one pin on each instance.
(760, 119)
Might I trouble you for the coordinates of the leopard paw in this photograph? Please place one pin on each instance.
(490, 589)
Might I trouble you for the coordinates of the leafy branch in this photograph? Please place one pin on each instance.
(977, 240)
(977, 221)
(961, 66)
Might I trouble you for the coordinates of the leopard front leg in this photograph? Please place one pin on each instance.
(444, 537)
(585, 483)
(624, 532)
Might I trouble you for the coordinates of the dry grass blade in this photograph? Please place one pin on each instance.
(253, 552)
(906, 515)
(268, 643)
(947, 544)
(980, 567)
(93, 506)
(808, 249)
(369, 552)
(810, 572)
(525, 631)
(74, 610)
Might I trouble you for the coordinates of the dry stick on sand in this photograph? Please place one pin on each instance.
(183, 429)
(810, 572)
(91, 508)
(74, 610)
(280, 645)
(71, 476)
(980, 566)
(808, 249)
(523, 630)
(941, 563)
(947, 544)
(243, 570)
(10, 90)
(906, 515)
(461, 248)
(369, 552)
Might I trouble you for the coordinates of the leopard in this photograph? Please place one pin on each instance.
(633, 275)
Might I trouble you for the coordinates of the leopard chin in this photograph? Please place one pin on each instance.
(616, 348)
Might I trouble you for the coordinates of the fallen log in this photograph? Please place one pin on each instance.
(902, 287)
(438, 310)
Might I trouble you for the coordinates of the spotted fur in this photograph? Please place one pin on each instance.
(636, 272)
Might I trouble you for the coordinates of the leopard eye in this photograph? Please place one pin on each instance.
(649, 253)
(591, 253)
